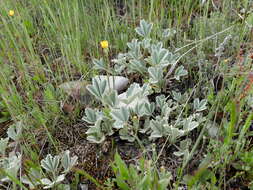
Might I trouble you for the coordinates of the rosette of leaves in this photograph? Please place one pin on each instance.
(149, 58)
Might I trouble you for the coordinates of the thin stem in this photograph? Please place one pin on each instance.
(195, 42)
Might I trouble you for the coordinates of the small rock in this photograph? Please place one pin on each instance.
(119, 81)
(67, 108)
(73, 88)
(77, 90)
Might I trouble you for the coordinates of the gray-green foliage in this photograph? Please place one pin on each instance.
(55, 167)
(3, 145)
(149, 58)
(124, 112)
(121, 109)
(10, 163)
(11, 166)
(15, 131)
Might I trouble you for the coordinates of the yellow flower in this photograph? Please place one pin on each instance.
(226, 60)
(104, 44)
(11, 13)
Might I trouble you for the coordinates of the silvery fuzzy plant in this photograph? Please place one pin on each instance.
(55, 167)
(118, 110)
(126, 112)
(148, 58)
(10, 164)
(55, 170)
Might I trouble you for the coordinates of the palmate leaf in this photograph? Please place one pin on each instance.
(162, 57)
(95, 134)
(137, 65)
(133, 45)
(180, 72)
(158, 128)
(166, 110)
(50, 163)
(49, 184)
(117, 83)
(185, 144)
(171, 59)
(156, 74)
(132, 101)
(15, 131)
(161, 128)
(146, 42)
(177, 96)
(91, 116)
(159, 57)
(111, 98)
(120, 116)
(146, 90)
(120, 62)
(144, 29)
(99, 64)
(174, 133)
(119, 68)
(139, 109)
(68, 162)
(121, 59)
(199, 105)
(156, 47)
(135, 50)
(97, 88)
(149, 108)
(160, 101)
(132, 93)
(189, 125)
